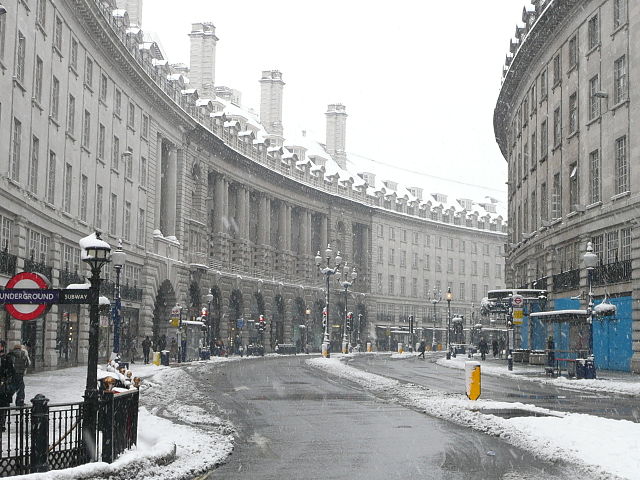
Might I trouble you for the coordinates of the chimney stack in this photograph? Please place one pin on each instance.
(202, 66)
(271, 87)
(337, 133)
(134, 9)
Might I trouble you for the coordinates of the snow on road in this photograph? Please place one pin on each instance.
(602, 447)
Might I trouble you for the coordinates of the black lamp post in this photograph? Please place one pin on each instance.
(590, 262)
(95, 252)
(449, 298)
(209, 302)
(118, 259)
(346, 284)
(437, 296)
(327, 271)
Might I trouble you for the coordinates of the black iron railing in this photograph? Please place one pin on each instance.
(67, 278)
(569, 280)
(8, 262)
(118, 422)
(47, 437)
(539, 284)
(134, 294)
(30, 265)
(612, 273)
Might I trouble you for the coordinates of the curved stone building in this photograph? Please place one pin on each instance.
(99, 131)
(564, 122)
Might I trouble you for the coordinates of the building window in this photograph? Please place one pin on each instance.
(33, 165)
(403, 286)
(17, 144)
(557, 76)
(556, 198)
(533, 98)
(113, 215)
(620, 80)
(543, 85)
(427, 262)
(126, 234)
(557, 128)
(74, 54)
(414, 287)
(84, 193)
(41, 13)
(380, 231)
(461, 292)
(594, 31)
(86, 130)
(498, 271)
(573, 52)
(20, 57)
(128, 164)
(594, 176)
(145, 128)
(392, 233)
(380, 254)
(622, 165)
(51, 178)
(38, 246)
(461, 267)
(57, 34)
(450, 244)
(525, 216)
(38, 80)
(115, 153)
(525, 159)
(619, 13)
(594, 101)
(597, 241)
(101, 140)
(544, 206)
(392, 254)
(625, 244)
(392, 281)
(474, 293)
(71, 115)
(117, 105)
(68, 183)
(438, 264)
(414, 262)
(103, 88)
(474, 267)
(425, 289)
(55, 98)
(6, 225)
(141, 226)
(533, 150)
(544, 140)
(88, 73)
(449, 265)
(131, 119)
(3, 32)
(573, 186)
(612, 246)
(534, 211)
(573, 113)
(99, 206)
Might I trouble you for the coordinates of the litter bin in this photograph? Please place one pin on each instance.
(164, 358)
(589, 369)
(580, 367)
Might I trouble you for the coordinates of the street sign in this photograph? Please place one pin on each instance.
(174, 319)
(517, 301)
(517, 315)
(27, 296)
(240, 322)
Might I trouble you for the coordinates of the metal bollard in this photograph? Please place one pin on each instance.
(510, 362)
(400, 347)
(369, 347)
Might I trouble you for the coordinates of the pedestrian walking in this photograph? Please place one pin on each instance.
(484, 348)
(173, 349)
(551, 352)
(421, 348)
(146, 347)
(6, 379)
(21, 362)
(494, 347)
(501, 347)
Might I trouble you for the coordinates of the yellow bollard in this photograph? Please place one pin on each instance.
(325, 350)
(400, 347)
(156, 358)
(369, 347)
(472, 374)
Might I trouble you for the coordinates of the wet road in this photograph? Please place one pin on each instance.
(429, 374)
(295, 422)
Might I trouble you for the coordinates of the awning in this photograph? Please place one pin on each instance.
(561, 315)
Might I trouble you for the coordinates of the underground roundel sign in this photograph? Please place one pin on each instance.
(31, 310)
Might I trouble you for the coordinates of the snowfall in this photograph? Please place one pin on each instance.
(178, 439)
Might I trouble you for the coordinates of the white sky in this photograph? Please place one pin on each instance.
(419, 78)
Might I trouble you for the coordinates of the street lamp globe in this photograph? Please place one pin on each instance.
(318, 259)
(590, 259)
(354, 274)
(449, 294)
(328, 252)
(338, 259)
(95, 251)
(118, 258)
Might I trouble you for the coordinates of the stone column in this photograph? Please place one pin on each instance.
(171, 193)
(157, 186)
(220, 220)
(324, 234)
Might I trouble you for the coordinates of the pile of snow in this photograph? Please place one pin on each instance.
(600, 446)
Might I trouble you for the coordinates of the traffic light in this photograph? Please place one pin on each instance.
(324, 318)
(262, 324)
(411, 324)
(349, 321)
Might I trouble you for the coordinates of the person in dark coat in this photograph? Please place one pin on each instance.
(146, 347)
(6, 379)
(421, 348)
(494, 347)
(501, 346)
(484, 348)
(21, 362)
(551, 352)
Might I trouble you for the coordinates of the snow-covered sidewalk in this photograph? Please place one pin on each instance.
(602, 447)
(193, 438)
(607, 381)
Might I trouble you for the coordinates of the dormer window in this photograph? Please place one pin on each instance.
(439, 197)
